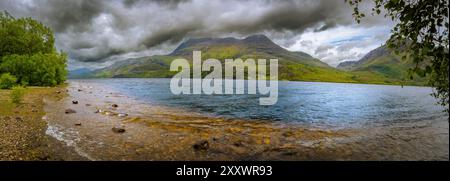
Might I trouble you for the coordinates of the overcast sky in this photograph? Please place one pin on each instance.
(96, 33)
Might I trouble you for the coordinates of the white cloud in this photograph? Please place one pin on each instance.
(342, 43)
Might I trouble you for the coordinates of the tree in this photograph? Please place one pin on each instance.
(422, 29)
(24, 36)
(27, 52)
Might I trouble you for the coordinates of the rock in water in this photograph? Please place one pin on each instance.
(77, 124)
(118, 130)
(74, 102)
(201, 145)
(122, 114)
(70, 111)
(115, 105)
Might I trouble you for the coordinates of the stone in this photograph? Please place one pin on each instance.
(122, 114)
(114, 105)
(74, 102)
(70, 111)
(77, 124)
(118, 130)
(201, 145)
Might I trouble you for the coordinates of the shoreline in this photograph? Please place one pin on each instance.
(283, 80)
(153, 132)
(22, 129)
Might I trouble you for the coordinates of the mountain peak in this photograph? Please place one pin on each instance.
(253, 40)
(258, 38)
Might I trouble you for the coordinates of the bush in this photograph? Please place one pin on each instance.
(37, 69)
(17, 94)
(7, 81)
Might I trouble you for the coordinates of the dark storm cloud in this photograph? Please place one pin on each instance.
(61, 15)
(95, 30)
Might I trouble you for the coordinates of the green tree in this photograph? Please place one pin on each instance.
(24, 36)
(27, 52)
(422, 29)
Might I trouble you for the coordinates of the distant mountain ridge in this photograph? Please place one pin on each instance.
(383, 62)
(247, 46)
(298, 66)
(378, 52)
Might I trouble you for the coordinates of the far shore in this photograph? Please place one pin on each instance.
(312, 81)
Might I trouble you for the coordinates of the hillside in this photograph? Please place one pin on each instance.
(383, 62)
(297, 66)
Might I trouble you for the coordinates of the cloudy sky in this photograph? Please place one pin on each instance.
(96, 33)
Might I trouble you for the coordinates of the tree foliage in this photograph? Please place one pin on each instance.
(37, 69)
(422, 29)
(7, 81)
(27, 52)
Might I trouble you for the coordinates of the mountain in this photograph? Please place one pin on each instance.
(372, 55)
(292, 65)
(251, 47)
(385, 63)
(79, 73)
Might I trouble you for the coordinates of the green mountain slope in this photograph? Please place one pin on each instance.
(384, 63)
(292, 65)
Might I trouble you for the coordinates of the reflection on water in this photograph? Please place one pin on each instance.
(311, 121)
(307, 103)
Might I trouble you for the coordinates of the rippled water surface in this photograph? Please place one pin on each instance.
(307, 103)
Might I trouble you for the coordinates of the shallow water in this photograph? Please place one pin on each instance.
(311, 121)
(307, 103)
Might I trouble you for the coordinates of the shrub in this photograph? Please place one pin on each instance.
(37, 69)
(7, 81)
(17, 94)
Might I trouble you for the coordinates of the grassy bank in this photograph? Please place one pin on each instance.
(22, 130)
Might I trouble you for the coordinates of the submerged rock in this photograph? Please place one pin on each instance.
(74, 102)
(118, 130)
(77, 124)
(108, 113)
(114, 105)
(122, 114)
(70, 111)
(201, 145)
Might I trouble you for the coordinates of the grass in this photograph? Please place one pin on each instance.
(384, 70)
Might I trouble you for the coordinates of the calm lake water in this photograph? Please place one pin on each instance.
(307, 103)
